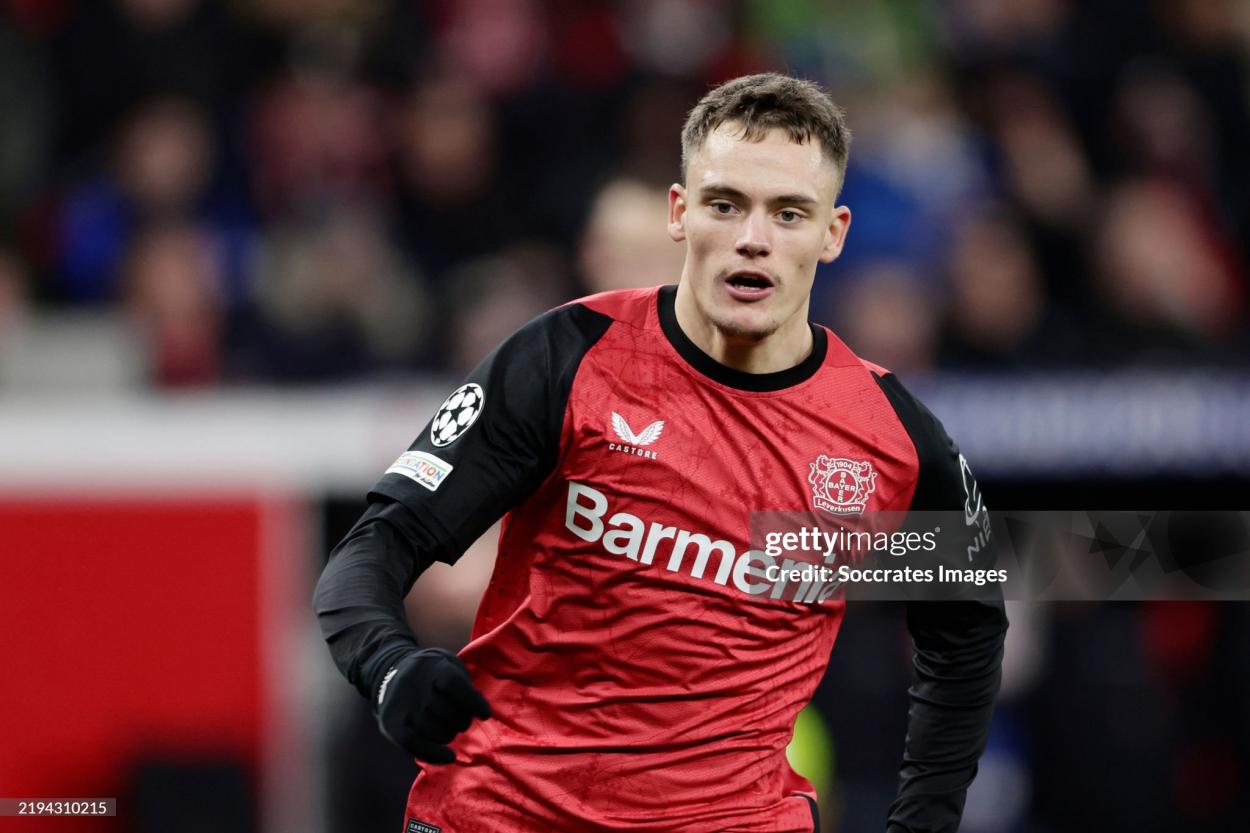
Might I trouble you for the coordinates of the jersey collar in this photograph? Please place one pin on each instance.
(728, 376)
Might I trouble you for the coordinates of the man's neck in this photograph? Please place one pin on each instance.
(783, 349)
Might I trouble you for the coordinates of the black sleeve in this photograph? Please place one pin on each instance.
(359, 599)
(489, 446)
(958, 644)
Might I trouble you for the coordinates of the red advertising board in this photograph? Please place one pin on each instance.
(138, 630)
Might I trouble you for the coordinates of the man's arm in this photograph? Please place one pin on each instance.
(360, 597)
(958, 644)
(489, 446)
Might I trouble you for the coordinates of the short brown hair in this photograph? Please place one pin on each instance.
(761, 103)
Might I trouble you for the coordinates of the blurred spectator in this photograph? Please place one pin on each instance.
(164, 161)
(162, 170)
(1047, 177)
(300, 13)
(317, 140)
(492, 297)
(997, 312)
(1210, 25)
(652, 119)
(14, 295)
(913, 161)
(173, 292)
(1044, 166)
(676, 37)
(111, 55)
(1166, 274)
(451, 205)
(156, 14)
(25, 95)
(586, 48)
(447, 142)
(886, 314)
(626, 242)
(499, 45)
(1004, 28)
(1163, 127)
(1168, 125)
(1209, 44)
(333, 298)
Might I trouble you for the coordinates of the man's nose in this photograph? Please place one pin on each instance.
(755, 238)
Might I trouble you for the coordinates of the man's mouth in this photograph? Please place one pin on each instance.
(749, 285)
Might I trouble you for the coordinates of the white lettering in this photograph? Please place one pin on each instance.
(753, 572)
(574, 508)
(743, 568)
(655, 535)
(624, 542)
(706, 545)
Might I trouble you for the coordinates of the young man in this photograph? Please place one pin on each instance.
(631, 666)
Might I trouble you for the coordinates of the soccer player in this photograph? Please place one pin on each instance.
(631, 667)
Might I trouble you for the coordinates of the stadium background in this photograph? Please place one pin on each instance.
(246, 247)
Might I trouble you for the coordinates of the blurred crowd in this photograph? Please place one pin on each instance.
(197, 193)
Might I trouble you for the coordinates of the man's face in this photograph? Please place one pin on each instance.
(756, 217)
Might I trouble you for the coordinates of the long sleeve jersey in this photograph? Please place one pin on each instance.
(644, 664)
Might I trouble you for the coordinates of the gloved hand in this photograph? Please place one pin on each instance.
(425, 700)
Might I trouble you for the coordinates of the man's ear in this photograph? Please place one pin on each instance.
(835, 234)
(677, 212)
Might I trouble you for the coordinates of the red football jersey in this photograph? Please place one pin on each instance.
(643, 671)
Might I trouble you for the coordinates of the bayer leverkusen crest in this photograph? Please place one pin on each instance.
(841, 487)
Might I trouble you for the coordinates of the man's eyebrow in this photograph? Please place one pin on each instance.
(728, 192)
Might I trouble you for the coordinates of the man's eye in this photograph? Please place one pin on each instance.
(788, 216)
(722, 207)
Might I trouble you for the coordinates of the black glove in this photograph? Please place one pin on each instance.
(425, 700)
